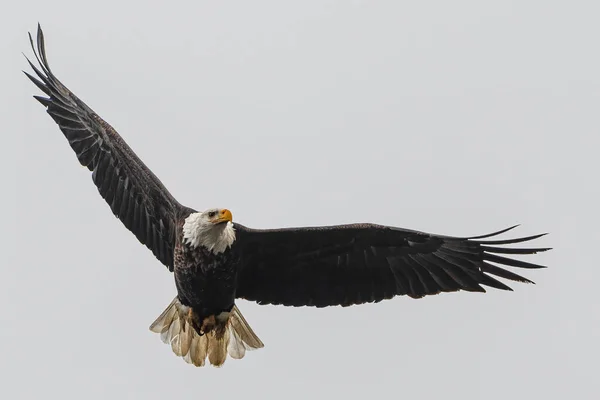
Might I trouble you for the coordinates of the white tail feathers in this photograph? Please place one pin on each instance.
(175, 328)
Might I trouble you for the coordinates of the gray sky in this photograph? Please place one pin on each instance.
(457, 118)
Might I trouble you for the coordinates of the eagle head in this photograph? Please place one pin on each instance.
(212, 229)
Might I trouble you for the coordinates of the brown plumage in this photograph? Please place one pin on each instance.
(216, 261)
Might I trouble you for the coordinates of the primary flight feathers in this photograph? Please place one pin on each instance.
(316, 266)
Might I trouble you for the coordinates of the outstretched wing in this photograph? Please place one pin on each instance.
(363, 263)
(135, 195)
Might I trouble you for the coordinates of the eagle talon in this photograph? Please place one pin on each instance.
(208, 324)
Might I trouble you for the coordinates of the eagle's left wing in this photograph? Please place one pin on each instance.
(361, 263)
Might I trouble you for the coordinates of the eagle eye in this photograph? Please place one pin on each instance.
(211, 214)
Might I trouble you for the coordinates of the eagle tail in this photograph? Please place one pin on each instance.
(242, 336)
(176, 328)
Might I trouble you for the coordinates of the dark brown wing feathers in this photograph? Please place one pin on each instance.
(135, 195)
(353, 264)
(335, 265)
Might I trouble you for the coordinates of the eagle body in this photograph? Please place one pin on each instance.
(216, 262)
(205, 279)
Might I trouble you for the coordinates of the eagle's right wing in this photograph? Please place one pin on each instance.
(135, 195)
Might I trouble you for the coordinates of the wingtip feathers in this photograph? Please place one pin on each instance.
(43, 100)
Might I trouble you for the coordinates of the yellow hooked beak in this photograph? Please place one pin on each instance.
(224, 216)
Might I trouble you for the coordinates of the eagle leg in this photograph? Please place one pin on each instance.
(208, 324)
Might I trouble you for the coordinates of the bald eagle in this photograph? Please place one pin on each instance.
(216, 261)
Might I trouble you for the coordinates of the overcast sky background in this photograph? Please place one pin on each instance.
(457, 118)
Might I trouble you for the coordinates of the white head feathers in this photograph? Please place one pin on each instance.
(211, 229)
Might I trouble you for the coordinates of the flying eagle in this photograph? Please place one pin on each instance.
(216, 261)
